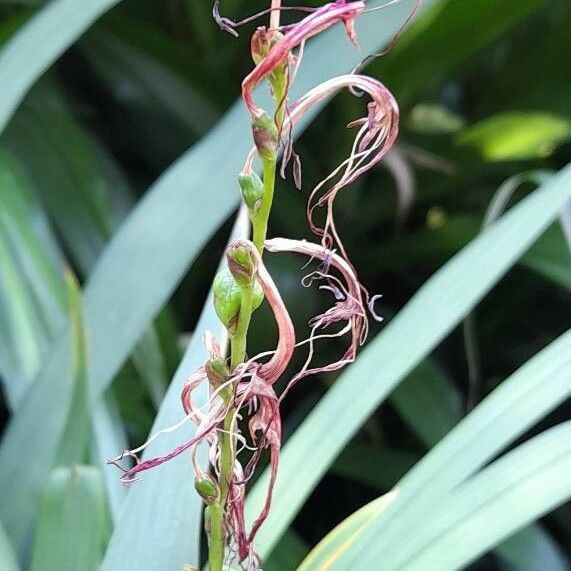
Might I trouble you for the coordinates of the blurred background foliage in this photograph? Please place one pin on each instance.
(485, 95)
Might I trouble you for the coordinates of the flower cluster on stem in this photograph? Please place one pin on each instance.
(242, 388)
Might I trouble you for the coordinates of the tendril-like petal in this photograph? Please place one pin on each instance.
(377, 133)
(349, 306)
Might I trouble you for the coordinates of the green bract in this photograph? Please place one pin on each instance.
(216, 371)
(227, 298)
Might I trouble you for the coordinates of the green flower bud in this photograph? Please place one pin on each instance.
(227, 299)
(207, 488)
(252, 190)
(265, 135)
(241, 262)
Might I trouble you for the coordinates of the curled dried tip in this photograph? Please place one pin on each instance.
(371, 306)
(225, 24)
(228, 25)
(377, 133)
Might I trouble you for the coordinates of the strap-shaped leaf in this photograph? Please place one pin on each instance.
(39, 43)
(429, 403)
(73, 524)
(513, 407)
(510, 493)
(32, 289)
(520, 487)
(7, 557)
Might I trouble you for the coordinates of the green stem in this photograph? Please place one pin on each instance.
(238, 343)
(260, 220)
(227, 451)
(215, 537)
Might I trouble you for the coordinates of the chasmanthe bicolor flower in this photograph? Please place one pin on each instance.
(243, 409)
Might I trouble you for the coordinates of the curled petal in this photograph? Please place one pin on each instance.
(350, 305)
(377, 133)
(375, 137)
(295, 35)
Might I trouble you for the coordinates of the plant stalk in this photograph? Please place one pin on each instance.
(238, 341)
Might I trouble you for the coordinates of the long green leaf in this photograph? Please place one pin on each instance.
(57, 441)
(163, 511)
(153, 85)
(338, 540)
(533, 549)
(377, 467)
(548, 257)
(32, 290)
(524, 485)
(7, 557)
(451, 517)
(144, 262)
(288, 553)
(516, 405)
(427, 318)
(39, 43)
(66, 169)
(84, 191)
(430, 404)
(73, 524)
(73, 445)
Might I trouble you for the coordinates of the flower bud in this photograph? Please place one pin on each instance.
(252, 190)
(265, 135)
(207, 488)
(216, 371)
(241, 262)
(227, 299)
